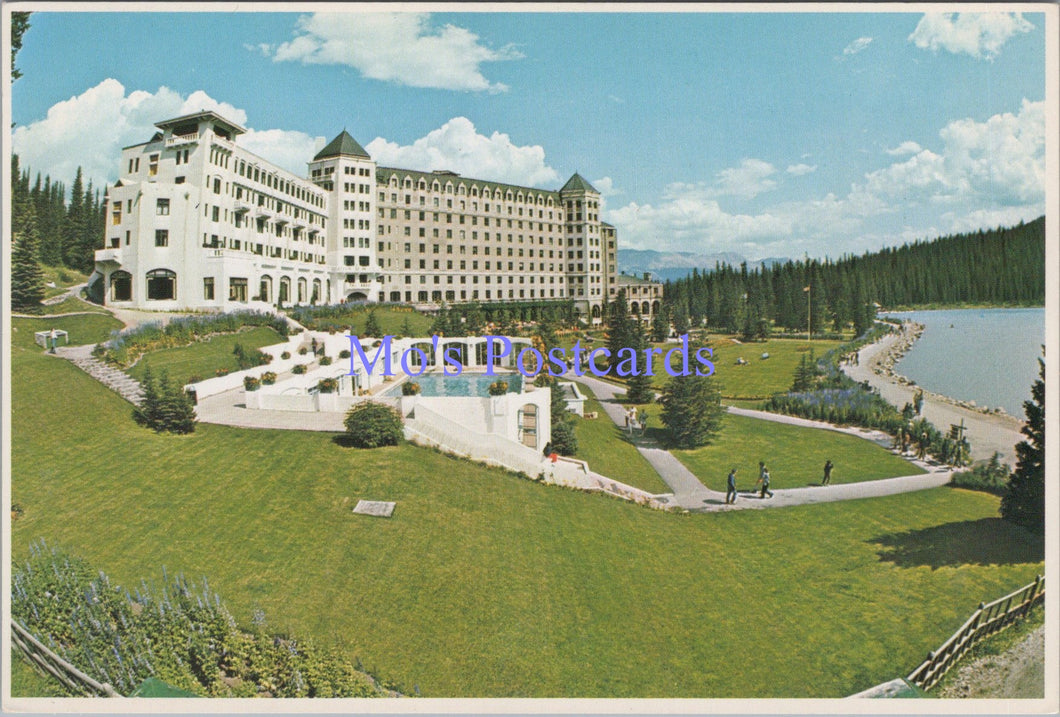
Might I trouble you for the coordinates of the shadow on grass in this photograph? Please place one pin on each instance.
(987, 541)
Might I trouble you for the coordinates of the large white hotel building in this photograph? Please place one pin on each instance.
(197, 222)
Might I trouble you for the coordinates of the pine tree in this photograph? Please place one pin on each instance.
(619, 326)
(19, 25)
(27, 279)
(372, 327)
(474, 320)
(1024, 499)
(692, 410)
(178, 410)
(74, 227)
(660, 325)
(147, 413)
(639, 387)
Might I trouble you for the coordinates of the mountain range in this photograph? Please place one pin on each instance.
(671, 265)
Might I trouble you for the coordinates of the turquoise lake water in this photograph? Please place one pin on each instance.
(989, 356)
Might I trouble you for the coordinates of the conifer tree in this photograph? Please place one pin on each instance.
(74, 227)
(660, 324)
(372, 327)
(27, 279)
(692, 410)
(1024, 499)
(639, 387)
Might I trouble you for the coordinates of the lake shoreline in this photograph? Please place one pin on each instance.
(988, 430)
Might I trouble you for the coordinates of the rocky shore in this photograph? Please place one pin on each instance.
(988, 430)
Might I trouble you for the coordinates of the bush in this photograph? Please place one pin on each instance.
(299, 369)
(328, 385)
(498, 388)
(371, 425)
(988, 476)
(221, 372)
(194, 378)
(410, 388)
(268, 378)
(303, 351)
(250, 383)
(182, 634)
(285, 355)
(325, 360)
(344, 354)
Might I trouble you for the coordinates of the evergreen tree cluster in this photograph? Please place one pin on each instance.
(165, 407)
(1024, 499)
(692, 410)
(625, 331)
(69, 225)
(1001, 266)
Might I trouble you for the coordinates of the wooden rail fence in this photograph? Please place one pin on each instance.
(56, 666)
(987, 620)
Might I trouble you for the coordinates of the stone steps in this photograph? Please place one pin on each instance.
(118, 381)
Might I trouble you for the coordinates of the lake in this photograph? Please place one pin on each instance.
(989, 356)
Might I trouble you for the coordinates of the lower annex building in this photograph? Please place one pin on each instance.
(195, 221)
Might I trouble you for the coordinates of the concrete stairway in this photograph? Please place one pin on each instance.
(118, 381)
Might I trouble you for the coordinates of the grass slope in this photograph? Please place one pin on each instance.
(203, 358)
(760, 378)
(483, 584)
(602, 444)
(82, 329)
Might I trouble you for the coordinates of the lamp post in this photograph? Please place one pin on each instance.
(808, 314)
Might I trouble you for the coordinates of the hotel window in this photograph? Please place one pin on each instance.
(152, 168)
(116, 213)
(237, 289)
(162, 207)
(161, 237)
(207, 288)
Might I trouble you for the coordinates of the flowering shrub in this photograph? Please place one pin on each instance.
(221, 372)
(410, 388)
(299, 369)
(182, 635)
(125, 347)
(327, 385)
(498, 388)
(325, 360)
(250, 383)
(285, 355)
(268, 378)
(371, 425)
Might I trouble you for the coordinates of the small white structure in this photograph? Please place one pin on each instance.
(50, 338)
(574, 398)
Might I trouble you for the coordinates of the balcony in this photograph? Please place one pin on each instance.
(112, 256)
(241, 207)
(180, 140)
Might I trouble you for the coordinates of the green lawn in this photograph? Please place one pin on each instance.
(484, 584)
(608, 452)
(390, 319)
(70, 305)
(64, 278)
(26, 681)
(794, 455)
(203, 358)
(82, 329)
(760, 378)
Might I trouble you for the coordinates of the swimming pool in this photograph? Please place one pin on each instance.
(466, 384)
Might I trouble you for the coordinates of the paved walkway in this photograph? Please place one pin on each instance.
(691, 494)
(116, 380)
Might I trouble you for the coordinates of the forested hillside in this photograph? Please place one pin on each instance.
(1002, 266)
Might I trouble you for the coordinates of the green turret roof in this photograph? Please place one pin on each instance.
(343, 144)
(577, 183)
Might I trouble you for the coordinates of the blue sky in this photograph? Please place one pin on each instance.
(767, 134)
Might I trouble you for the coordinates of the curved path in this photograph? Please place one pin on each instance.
(691, 494)
(987, 433)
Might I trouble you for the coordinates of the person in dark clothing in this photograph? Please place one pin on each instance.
(827, 472)
(730, 488)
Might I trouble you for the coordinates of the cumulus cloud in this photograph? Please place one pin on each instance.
(857, 46)
(746, 181)
(982, 174)
(980, 35)
(905, 148)
(606, 187)
(800, 169)
(459, 147)
(395, 47)
(90, 129)
(1001, 160)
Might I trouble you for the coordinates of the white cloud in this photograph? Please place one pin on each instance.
(857, 46)
(606, 187)
(395, 47)
(1001, 160)
(90, 129)
(905, 148)
(800, 169)
(747, 181)
(459, 147)
(980, 35)
(991, 218)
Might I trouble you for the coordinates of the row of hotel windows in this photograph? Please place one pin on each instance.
(462, 206)
(436, 217)
(475, 295)
(272, 180)
(531, 197)
(463, 279)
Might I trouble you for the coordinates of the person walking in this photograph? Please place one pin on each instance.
(827, 472)
(765, 484)
(730, 488)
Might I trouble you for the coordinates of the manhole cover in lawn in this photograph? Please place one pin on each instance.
(378, 508)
